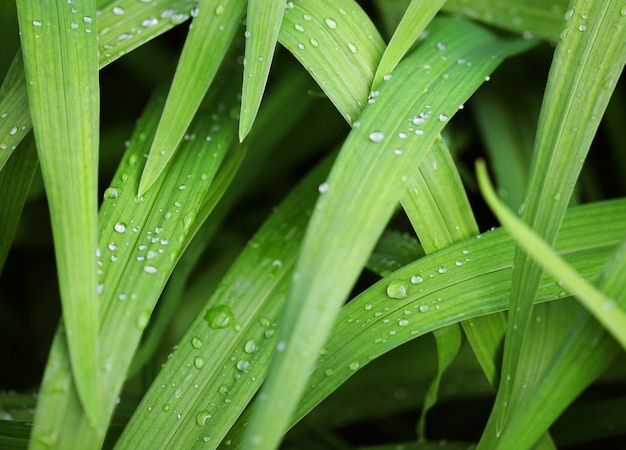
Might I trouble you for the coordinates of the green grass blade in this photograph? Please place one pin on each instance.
(122, 27)
(608, 313)
(369, 171)
(213, 30)
(141, 239)
(589, 351)
(338, 44)
(372, 323)
(263, 21)
(15, 180)
(14, 114)
(588, 60)
(61, 64)
(416, 17)
(533, 18)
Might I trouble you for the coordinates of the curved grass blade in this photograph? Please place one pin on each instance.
(210, 36)
(61, 64)
(532, 18)
(122, 27)
(262, 27)
(588, 60)
(608, 313)
(417, 16)
(581, 350)
(338, 44)
(15, 180)
(141, 239)
(407, 116)
(222, 359)
(373, 323)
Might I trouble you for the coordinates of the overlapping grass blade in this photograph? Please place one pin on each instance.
(373, 323)
(533, 18)
(210, 36)
(417, 16)
(263, 21)
(222, 359)
(61, 64)
(15, 180)
(369, 171)
(122, 27)
(338, 44)
(588, 60)
(141, 239)
(581, 348)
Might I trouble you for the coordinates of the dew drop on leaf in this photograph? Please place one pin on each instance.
(377, 136)
(196, 342)
(120, 227)
(199, 362)
(219, 317)
(397, 289)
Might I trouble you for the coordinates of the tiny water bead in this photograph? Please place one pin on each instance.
(251, 346)
(120, 227)
(196, 342)
(150, 269)
(330, 23)
(219, 317)
(202, 417)
(377, 136)
(199, 362)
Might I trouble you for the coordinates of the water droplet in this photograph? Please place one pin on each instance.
(36, 23)
(219, 316)
(354, 365)
(330, 23)
(143, 319)
(111, 193)
(377, 136)
(120, 227)
(569, 14)
(442, 269)
(387, 77)
(352, 47)
(118, 11)
(112, 246)
(423, 308)
(202, 418)
(323, 188)
(150, 269)
(87, 19)
(13, 131)
(199, 362)
(166, 407)
(314, 42)
(196, 342)
(250, 346)
(416, 279)
(403, 322)
(329, 371)
(243, 365)
(582, 27)
(443, 118)
(459, 263)
(299, 27)
(150, 22)
(397, 289)
(441, 46)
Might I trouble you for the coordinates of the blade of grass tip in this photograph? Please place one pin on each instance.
(417, 16)
(61, 65)
(605, 309)
(368, 171)
(588, 60)
(15, 180)
(263, 21)
(210, 36)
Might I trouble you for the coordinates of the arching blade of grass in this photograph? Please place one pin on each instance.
(262, 27)
(363, 187)
(588, 60)
(417, 16)
(373, 323)
(141, 239)
(61, 65)
(581, 357)
(15, 180)
(207, 43)
(118, 34)
(338, 44)
(534, 18)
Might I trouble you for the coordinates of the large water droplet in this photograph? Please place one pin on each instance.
(251, 346)
(199, 362)
(202, 418)
(120, 227)
(377, 136)
(397, 289)
(219, 316)
(330, 23)
(196, 342)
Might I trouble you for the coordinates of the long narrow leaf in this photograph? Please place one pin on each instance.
(588, 60)
(262, 27)
(369, 171)
(61, 65)
(212, 31)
